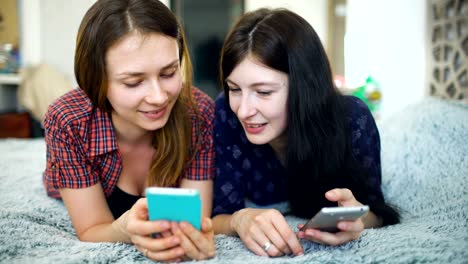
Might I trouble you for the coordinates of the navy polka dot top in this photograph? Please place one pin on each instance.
(252, 173)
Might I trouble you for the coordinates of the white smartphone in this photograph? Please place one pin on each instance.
(174, 204)
(328, 217)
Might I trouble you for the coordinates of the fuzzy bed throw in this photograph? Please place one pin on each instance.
(425, 172)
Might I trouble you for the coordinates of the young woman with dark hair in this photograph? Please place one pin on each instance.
(287, 141)
(135, 121)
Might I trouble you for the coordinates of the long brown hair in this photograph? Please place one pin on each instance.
(105, 23)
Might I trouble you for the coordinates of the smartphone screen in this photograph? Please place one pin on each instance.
(174, 204)
(328, 217)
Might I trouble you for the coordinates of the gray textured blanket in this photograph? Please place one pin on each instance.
(425, 171)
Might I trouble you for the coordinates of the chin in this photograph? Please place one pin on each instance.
(258, 140)
(153, 126)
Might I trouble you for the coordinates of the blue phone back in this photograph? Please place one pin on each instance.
(174, 204)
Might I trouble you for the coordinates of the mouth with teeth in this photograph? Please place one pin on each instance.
(254, 128)
(154, 114)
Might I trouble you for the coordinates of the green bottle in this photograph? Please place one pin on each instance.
(370, 94)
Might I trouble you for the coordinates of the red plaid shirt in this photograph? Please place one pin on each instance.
(82, 148)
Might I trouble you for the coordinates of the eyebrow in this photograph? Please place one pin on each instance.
(135, 74)
(257, 83)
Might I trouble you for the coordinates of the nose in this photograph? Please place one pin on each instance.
(156, 94)
(247, 106)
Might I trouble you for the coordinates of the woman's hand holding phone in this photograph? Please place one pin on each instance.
(165, 248)
(179, 210)
(348, 230)
(196, 244)
(265, 232)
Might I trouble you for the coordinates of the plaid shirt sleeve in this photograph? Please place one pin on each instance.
(202, 166)
(67, 165)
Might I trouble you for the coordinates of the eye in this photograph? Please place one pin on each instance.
(133, 84)
(234, 90)
(264, 93)
(168, 75)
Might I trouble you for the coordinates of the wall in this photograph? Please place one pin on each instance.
(387, 39)
(49, 27)
(315, 12)
(9, 22)
(48, 32)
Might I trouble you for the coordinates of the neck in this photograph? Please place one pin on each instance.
(279, 145)
(130, 134)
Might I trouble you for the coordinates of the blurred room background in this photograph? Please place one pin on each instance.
(391, 53)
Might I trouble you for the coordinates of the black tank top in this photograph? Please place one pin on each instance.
(119, 201)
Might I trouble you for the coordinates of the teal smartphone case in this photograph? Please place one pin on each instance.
(174, 204)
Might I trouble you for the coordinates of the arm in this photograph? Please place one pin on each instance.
(365, 141)
(366, 151)
(205, 189)
(82, 193)
(91, 216)
(222, 225)
(228, 188)
(79, 186)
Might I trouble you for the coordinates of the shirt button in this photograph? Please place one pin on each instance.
(53, 167)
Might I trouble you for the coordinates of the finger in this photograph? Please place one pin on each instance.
(288, 235)
(195, 236)
(146, 228)
(333, 239)
(275, 237)
(166, 255)
(254, 247)
(344, 197)
(166, 234)
(201, 240)
(262, 239)
(137, 222)
(189, 248)
(352, 226)
(141, 208)
(207, 225)
(156, 244)
(273, 251)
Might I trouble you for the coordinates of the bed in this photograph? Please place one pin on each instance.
(425, 173)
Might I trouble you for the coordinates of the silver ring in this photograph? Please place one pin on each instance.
(145, 252)
(267, 246)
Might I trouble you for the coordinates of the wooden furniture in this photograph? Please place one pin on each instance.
(14, 121)
(17, 125)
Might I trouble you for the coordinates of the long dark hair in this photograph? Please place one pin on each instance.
(106, 23)
(319, 156)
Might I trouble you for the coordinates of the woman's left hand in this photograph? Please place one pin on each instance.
(350, 230)
(197, 244)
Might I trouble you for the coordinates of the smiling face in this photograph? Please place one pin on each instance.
(144, 82)
(258, 96)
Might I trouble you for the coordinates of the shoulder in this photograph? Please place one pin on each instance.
(357, 110)
(221, 101)
(68, 110)
(361, 122)
(227, 128)
(204, 114)
(204, 103)
(225, 118)
(224, 112)
(355, 104)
